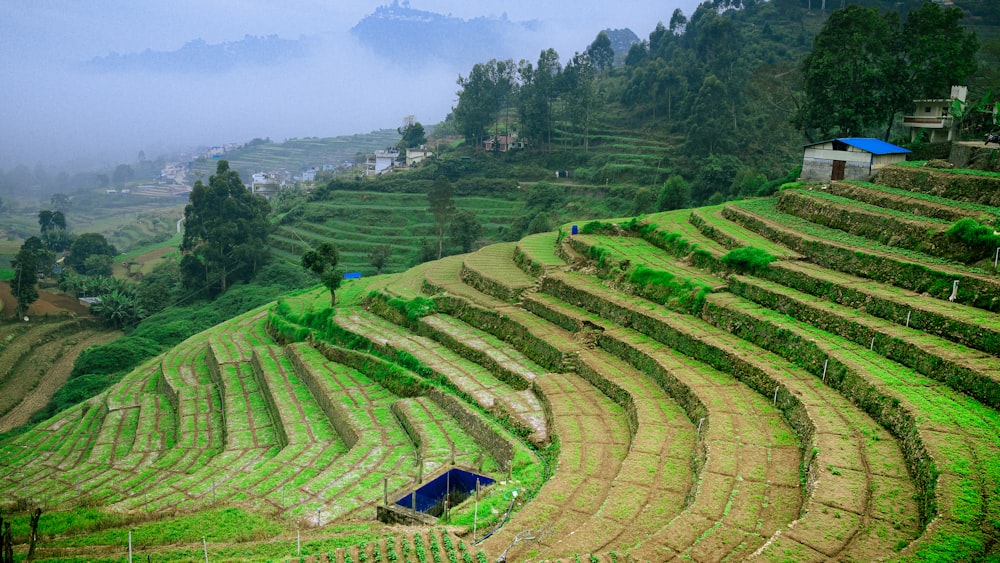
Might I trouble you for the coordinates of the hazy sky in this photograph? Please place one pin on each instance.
(54, 110)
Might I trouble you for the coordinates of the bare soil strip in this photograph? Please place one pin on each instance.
(54, 378)
(593, 440)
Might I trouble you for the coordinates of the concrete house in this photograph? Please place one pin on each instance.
(849, 158)
(415, 156)
(381, 161)
(503, 143)
(265, 184)
(933, 116)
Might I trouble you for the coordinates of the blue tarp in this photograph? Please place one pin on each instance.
(433, 492)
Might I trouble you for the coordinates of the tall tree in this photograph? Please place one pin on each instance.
(323, 262)
(413, 135)
(225, 232)
(48, 220)
(25, 265)
(465, 230)
(939, 51)
(476, 104)
(600, 52)
(539, 91)
(441, 203)
(378, 257)
(85, 248)
(675, 194)
(123, 173)
(854, 76)
(580, 91)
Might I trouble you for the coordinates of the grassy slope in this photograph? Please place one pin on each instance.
(960, 505)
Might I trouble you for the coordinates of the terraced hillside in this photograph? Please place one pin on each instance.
(358, 222)
(36, 360)
(766, 380)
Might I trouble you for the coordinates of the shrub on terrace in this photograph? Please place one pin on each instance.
(747, 259)
(975, 235)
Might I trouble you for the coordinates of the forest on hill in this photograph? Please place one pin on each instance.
(726, 89)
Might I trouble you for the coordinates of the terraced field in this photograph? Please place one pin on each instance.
(360, 221)
(636, 392)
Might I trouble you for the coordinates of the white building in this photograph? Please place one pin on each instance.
(417, 155)
(380, 161)
(265, 184)
(934, 116)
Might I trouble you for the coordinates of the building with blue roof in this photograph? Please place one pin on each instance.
(848, 158)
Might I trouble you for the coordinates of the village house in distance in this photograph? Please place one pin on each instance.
(935, 117)
(389, 159)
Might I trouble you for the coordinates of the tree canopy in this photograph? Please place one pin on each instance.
(225, 233)
(413, 135)
(442, 206)
(91, 254)
(865, 67)
(25, 265)
(323, 262)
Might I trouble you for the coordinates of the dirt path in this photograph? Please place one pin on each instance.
(49, 303)
(51, 382)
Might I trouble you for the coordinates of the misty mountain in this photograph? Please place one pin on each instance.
(621, 40)
(197, 56)
(413, 37)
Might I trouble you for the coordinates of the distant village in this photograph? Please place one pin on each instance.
(174, 177)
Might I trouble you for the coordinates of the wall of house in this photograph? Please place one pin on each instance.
(883, 160)
(817, 163)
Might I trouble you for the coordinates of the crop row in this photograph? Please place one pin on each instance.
(491, 270)
(473, 379)
(952, 442)
(879, 265)
(748, 364)
(958, 366)
(904, 200)
(883, 226)
(710, 222)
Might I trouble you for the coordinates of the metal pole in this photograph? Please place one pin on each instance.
(908, 319)
(775, 401)
(826, 363)
(204, 546)
(130, 546)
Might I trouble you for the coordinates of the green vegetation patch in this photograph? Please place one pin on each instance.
(747, 259)
(93, 527)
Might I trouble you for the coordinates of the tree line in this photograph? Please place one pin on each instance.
(735, 89)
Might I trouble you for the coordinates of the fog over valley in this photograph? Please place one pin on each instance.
(93, 84)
